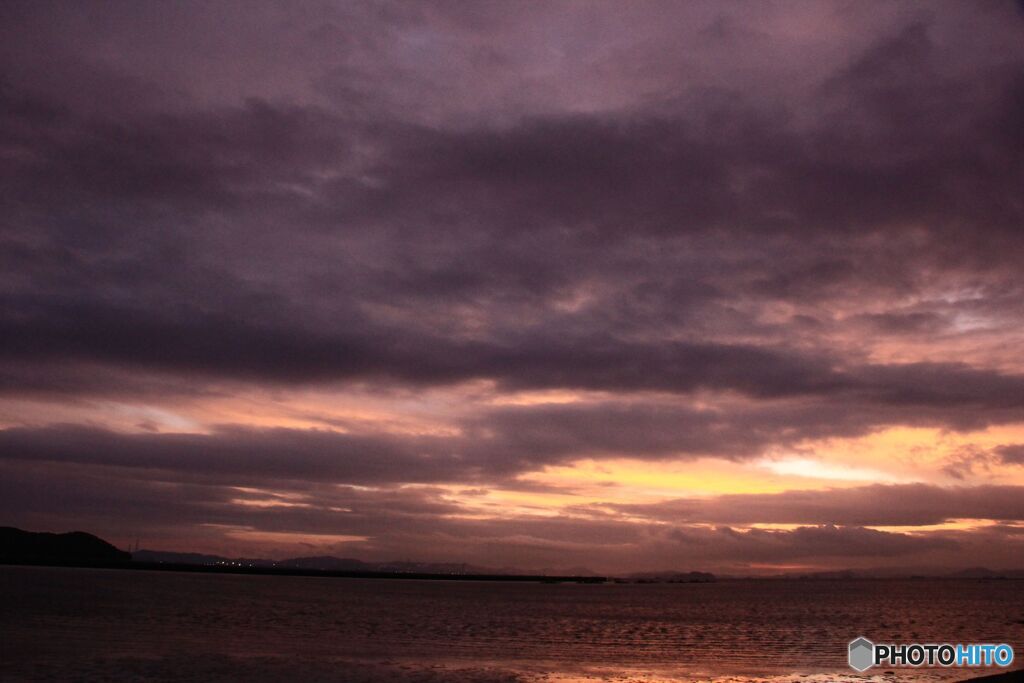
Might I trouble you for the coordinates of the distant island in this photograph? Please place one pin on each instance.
(75, 548)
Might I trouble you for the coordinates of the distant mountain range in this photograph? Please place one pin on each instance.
(318, 563)
(77, 547)
(346, 564)
(27, 547)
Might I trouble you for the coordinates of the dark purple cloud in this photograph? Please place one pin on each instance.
(1011, 453)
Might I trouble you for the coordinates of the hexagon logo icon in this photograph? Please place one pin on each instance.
(862, 654)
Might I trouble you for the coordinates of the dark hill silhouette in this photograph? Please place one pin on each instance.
(85, 550)
(27, 547)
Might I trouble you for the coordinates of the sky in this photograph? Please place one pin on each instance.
(629, 286)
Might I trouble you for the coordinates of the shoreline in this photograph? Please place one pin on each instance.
(322, 573)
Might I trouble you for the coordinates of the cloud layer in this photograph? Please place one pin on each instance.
(450, 247)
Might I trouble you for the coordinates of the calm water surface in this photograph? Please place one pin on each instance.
(54, 622)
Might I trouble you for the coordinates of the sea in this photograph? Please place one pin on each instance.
(64, 624)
